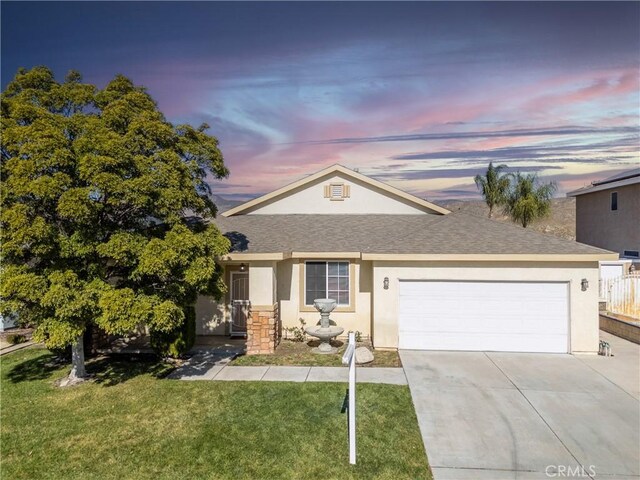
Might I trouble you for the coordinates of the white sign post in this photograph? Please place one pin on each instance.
(349, 358)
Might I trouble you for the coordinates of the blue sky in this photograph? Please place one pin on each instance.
(420, 95)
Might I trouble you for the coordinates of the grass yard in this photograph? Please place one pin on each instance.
(299, 353)
(130, 424)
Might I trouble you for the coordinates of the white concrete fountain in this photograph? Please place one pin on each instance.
(325, 331)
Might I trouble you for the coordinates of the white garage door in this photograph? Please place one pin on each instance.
(491, 316)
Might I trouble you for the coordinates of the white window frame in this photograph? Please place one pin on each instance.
(326, 286)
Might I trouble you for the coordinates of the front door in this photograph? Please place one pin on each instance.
(239, 303)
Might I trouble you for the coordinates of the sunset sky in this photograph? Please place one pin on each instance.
(419, 95)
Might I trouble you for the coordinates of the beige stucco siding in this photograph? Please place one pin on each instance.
(363, 199)
(210, 317)
(280, 282)
(262, 283)
(583, 306)
(291, 302)
(374, 310)
(598, 225)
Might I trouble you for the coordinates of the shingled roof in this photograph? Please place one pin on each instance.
(456, 233)
(627, 177)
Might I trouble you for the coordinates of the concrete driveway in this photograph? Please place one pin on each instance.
(528, 416)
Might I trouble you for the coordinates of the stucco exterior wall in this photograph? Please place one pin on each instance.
(210, 317)
(363, 199)
(583, 306)
(375, 311)
(598, 225)
(292, 306)
(262, 283)
(271, 282)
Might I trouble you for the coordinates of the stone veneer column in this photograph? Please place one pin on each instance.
(262, 330)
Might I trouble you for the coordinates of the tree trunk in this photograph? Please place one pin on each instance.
(78, 372)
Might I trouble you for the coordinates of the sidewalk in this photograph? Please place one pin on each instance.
(13, 348)
(214, 366)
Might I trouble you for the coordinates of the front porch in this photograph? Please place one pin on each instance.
(248, 313)
(252, 331)
(265, 297)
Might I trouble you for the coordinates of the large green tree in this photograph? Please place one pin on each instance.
(105, 210)
(528, 199)
(494, 185)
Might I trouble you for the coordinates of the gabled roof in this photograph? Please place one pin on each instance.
(620, 176)
(627, 177)
(346, 172)
(457, 236)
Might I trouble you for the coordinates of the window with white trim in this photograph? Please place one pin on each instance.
(326, 280)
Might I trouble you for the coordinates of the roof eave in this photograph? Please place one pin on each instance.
(501, 257)
(604, 186)
(431, 257)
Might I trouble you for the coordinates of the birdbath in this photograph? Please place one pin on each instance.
(325, 331)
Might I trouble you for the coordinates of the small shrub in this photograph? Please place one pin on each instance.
(16, 338)
(297, 334)
(176, 343)
(358, 336)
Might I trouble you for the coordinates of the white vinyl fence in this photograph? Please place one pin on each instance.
(622, 294)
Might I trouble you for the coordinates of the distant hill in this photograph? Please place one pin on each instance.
(560, 223)
(223, 204)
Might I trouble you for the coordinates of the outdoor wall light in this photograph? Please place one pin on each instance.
(243, 267)
(585, 284)
(385, 283)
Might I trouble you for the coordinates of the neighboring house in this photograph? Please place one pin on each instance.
(607, 213)
(6, 322)
(405, 272)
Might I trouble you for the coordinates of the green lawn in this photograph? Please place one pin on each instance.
(299, 353)
(130, 424)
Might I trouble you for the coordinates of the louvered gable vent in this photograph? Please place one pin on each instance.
(337, 191)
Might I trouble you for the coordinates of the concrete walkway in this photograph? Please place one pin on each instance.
(528, 416)
(214, 366)
(13, 348)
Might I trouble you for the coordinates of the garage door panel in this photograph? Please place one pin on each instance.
(479, 325)
(497, 316)
(487, 316)
(488, 342)
(478, 330)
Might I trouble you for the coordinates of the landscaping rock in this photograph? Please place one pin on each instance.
(363, 355)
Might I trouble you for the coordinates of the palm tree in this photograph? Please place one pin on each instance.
(494, 186)
(528, 200)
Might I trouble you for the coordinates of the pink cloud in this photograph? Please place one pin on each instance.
(271, 164)
(501, 142)
(600, 88)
